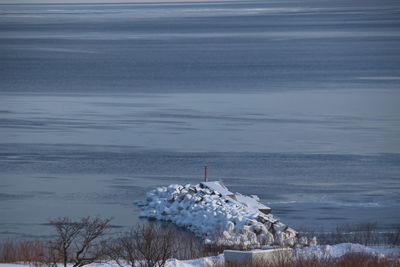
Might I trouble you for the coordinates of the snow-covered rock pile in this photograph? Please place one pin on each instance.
(219, 216)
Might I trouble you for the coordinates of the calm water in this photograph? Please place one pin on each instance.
(296, 101)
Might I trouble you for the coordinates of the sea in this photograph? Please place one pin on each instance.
(296, 101)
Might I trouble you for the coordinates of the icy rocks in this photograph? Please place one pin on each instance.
(313, 241)
(218, 216)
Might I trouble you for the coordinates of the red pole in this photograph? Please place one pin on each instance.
(205, 173)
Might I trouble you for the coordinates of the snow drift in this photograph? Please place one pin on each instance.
(219, 216)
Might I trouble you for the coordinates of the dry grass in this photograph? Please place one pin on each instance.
(27, 251)
(186, 246)
(36, 253)
(348, 260)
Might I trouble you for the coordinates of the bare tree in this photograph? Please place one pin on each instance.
(394, 237)
(188, 246)
(67, 232)
(123, 250)
(80, 242)
(154, 244)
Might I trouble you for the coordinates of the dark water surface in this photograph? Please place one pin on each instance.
(296, 101)
(200, 47)
(314, 190)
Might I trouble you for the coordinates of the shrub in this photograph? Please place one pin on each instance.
(80, 242)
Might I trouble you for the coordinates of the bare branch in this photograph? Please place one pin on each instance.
(81, 242)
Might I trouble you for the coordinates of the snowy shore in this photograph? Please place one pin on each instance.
(320, 252)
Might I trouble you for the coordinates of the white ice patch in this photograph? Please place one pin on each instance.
(218, 216)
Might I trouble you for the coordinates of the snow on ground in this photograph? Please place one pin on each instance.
(326, 251)
(219, 216)
(336, 251)
(321, 252)
(200, 262)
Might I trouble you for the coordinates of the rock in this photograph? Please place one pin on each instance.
(232, 196)
(303, 241)
(251, 222)
(230, 226)
(265, 210)
(279, 227)
(261, 219)
(313, 241)
(268, 225)
(289, 242)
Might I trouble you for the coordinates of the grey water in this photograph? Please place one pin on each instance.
(295, 101)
